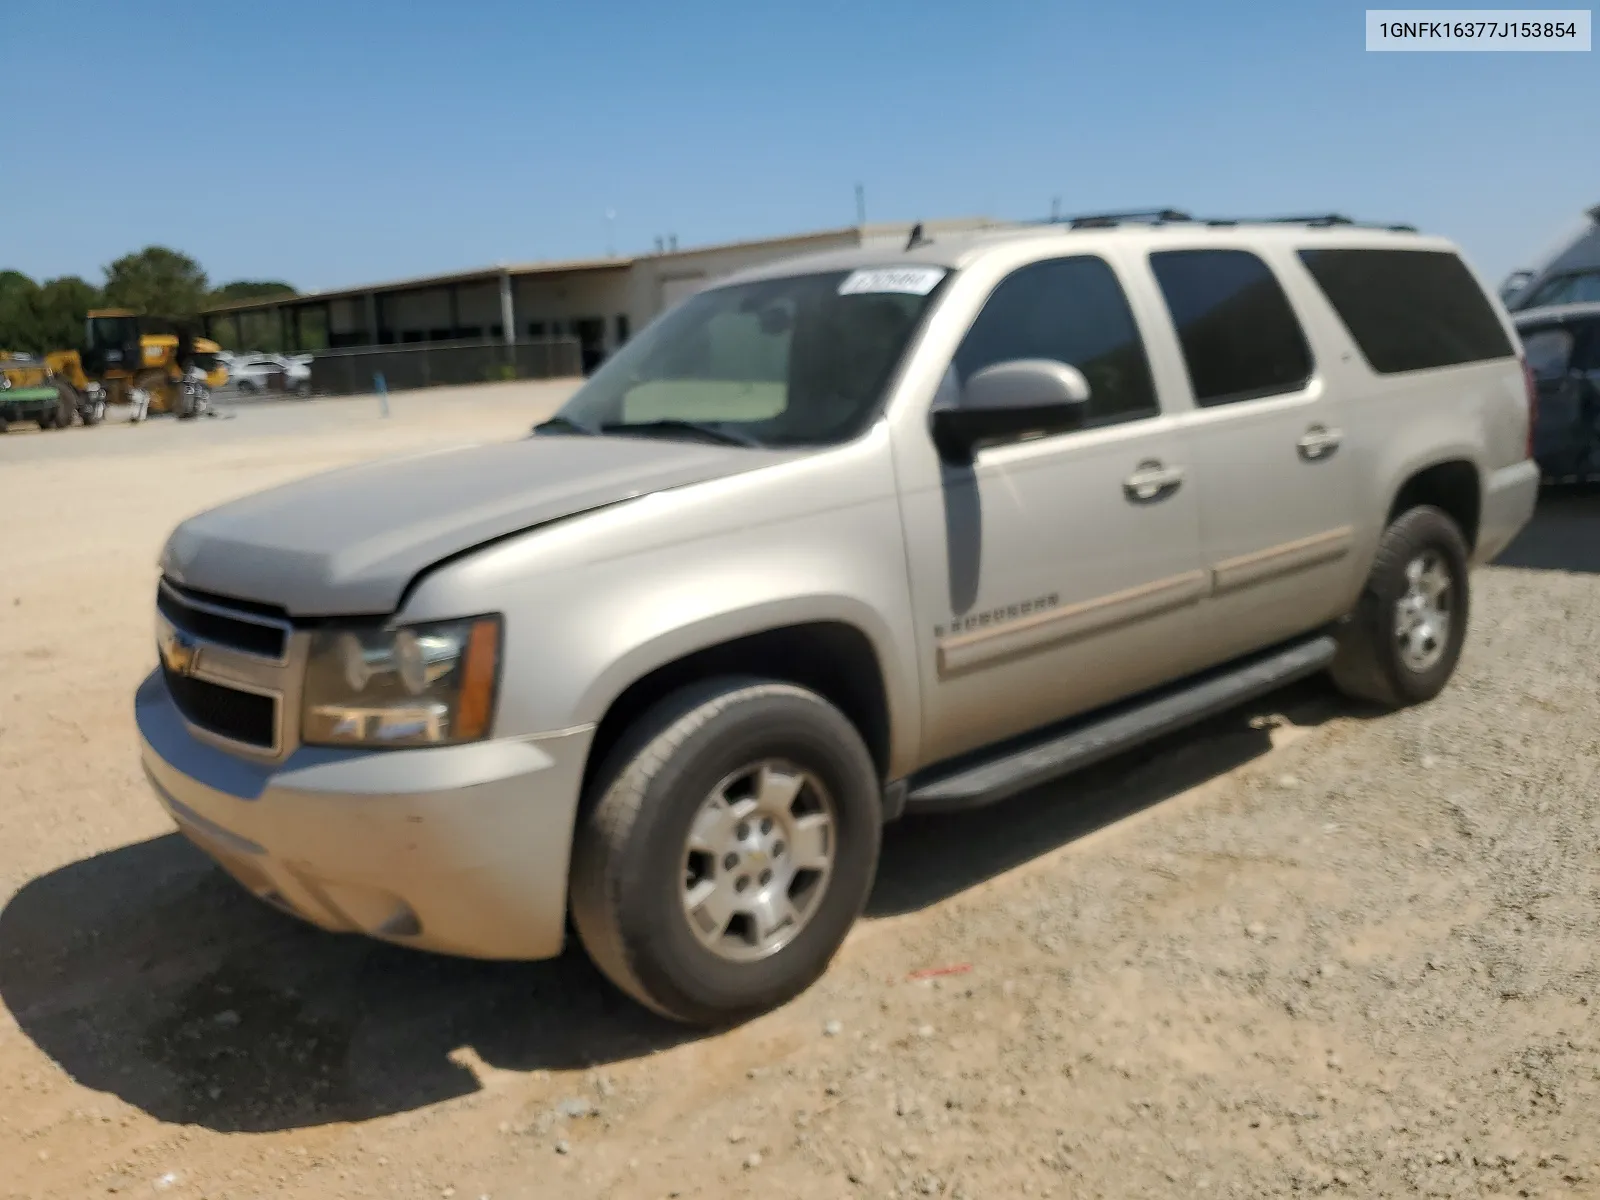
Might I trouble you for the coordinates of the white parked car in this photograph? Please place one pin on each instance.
(254, 373)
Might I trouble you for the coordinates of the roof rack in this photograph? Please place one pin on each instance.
(1153, 216)
(1318, 221)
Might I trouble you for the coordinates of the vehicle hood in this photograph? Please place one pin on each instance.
(348, 542)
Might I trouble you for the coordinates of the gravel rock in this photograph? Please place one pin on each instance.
(1148, 1000)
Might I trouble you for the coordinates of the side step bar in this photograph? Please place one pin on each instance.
(1061, 750)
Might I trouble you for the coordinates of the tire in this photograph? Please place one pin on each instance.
(1373, 663)
(46, 418)
(66, 405)
(632, 865)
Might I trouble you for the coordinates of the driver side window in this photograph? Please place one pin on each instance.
(1072, 310)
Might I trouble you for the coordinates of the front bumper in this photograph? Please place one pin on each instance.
(461, 849)
(1509, 497)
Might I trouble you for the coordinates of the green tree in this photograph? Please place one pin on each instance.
(19, 315)
(61, 306)
(156, 281)
(250, 289)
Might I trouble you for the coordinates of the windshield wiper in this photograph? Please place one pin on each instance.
(671, 425)
(560, 424)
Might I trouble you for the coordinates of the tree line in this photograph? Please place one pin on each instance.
(39, 317)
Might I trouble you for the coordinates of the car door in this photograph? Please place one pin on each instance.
(1054, 573)
(1275, 496)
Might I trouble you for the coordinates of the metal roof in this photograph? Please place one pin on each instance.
(475, 275)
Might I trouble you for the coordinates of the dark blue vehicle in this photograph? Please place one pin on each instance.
(1569, 276)
(1562, 344)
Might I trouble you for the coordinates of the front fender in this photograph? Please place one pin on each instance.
(578, 633)
(669, 642)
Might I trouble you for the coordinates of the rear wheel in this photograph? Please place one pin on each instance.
(66, 405)
(731, 844)
(1402, 643)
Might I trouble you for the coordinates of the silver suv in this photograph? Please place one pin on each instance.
(852, 536)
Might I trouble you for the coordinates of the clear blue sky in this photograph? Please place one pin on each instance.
(336, 142)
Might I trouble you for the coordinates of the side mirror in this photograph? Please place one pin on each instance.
(1008, 400)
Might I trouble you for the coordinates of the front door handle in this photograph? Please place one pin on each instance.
(1152, 480)
(1319, 442)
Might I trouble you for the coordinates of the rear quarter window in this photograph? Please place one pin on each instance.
(1409, 310)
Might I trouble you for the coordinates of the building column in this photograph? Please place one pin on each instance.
(508, 316)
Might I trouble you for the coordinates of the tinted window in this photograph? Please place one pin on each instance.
(1240, 338)
(1074, 311)
(1409, 310)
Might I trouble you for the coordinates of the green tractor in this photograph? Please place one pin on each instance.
(30, 392)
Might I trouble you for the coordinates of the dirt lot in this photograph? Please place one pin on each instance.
(1303, 949)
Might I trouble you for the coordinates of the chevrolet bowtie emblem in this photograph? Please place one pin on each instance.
(180, 653)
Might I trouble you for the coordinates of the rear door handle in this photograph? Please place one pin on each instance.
(1319, 442)
(1152, 480)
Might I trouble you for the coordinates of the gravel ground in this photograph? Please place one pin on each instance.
(1303, 949)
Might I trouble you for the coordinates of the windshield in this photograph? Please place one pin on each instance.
(111, 332)
(794, 361)
(1567, 289)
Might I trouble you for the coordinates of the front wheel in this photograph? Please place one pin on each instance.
(731, 843)
(1403, 641)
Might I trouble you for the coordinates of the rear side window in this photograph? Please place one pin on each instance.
(1074, 311)
(1240, 338)
(1409, 310)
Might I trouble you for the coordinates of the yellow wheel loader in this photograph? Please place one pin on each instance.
(139, 360)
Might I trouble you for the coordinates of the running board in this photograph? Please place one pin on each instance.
(994, 775)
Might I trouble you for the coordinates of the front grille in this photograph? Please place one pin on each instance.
(227, 712)
(262, 636)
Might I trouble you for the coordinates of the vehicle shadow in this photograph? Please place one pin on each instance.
(145, 973)
(928, 859)
(1564, 534)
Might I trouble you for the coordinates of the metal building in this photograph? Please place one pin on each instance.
(529, 320)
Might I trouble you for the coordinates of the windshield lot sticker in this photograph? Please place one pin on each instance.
(911, 281)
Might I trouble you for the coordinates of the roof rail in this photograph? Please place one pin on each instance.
(1154, 216)
(1319, 221)
(1163, 216)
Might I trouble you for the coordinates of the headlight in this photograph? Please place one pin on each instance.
(419, 685)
